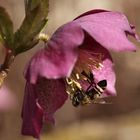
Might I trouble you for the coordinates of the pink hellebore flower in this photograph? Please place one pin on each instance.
(76, 61)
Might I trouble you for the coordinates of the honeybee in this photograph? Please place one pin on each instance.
(75, 91)
(95, 89)
(88, 96)
(78, 98)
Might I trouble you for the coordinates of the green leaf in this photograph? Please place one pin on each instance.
(34, 22)
(6, 29)
(30, 5)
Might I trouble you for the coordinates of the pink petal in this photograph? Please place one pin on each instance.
(51, 96)
(95, 11)
(105, 73)
(32, 115)
(110, 29)
(7, 99)
(59, 58)
(41, 101)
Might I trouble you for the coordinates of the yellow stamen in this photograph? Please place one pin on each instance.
(73, 84)
(88, 61)
(77, 76)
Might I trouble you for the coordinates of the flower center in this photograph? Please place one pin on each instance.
(81, 85)
(87, 61)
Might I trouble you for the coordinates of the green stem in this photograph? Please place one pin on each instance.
(9, 58)
(4, 69)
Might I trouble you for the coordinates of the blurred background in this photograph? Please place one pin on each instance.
(117, 121)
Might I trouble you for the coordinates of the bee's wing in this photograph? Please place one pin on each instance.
(101, 101)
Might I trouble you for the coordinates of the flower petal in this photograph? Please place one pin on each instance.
(7, 99)
(51, 96)
(41, 101)
(32, 115)
(110, 29)
(59, 58)
(95, 11)
(107, 71)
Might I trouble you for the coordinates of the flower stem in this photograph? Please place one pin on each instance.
(4, 69)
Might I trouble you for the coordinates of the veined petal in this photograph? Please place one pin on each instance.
(110, 29)
(51, 64)
(51, 96)
(32, 115)
(59, 58)
(41, 101)
(106, 72)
